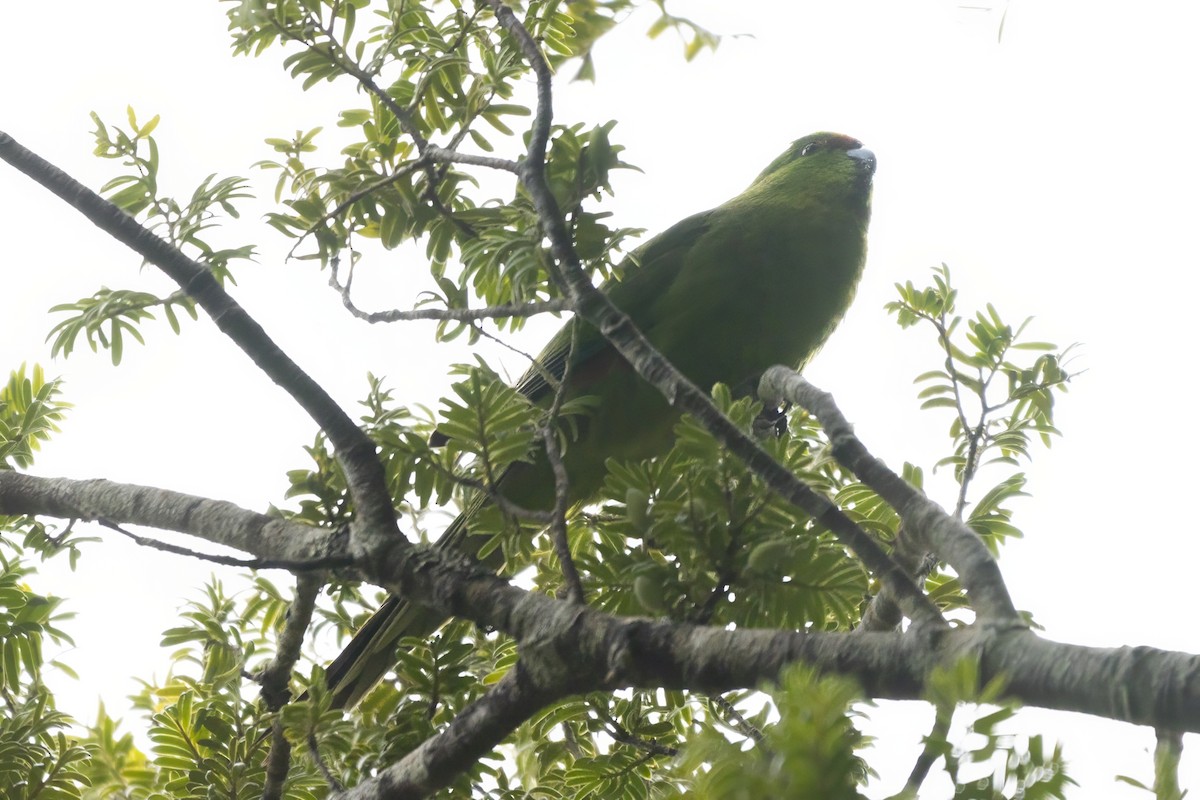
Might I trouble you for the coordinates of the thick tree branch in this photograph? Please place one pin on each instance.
(214, 520)
(565, 643)
(571, 649)
(375, 519)
(947, 537)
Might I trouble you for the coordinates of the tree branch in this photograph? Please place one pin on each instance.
(620, 734)
(948, 537)
(734, 719)
(473, 733)
(572, 649)
(375, 519)
(279, 761)
(214, 520)
(882, 613)
(929, 756)
(447, 156)
(277, 675)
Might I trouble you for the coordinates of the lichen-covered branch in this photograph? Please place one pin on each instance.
(216, 521)
(923, 519)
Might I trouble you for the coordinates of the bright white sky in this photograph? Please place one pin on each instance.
(1044, 168)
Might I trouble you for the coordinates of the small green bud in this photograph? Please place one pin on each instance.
(637, 508)
(766, 557)
(651, 593)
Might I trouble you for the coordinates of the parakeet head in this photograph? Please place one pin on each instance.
(827, 158)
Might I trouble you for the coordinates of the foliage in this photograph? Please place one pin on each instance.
(692, 536)
(810, 751)
(1004, 418)
(29, 412)
(109, 315)
(39, 758)
(986, 763)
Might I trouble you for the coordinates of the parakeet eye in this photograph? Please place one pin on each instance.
(811, 147)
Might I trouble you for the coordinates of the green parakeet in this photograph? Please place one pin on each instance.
(724, 294)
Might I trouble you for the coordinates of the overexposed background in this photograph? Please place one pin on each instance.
(1050, 166)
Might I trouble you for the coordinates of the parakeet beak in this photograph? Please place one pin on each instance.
(864, 156)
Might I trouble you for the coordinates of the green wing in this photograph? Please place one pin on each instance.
(641, 279)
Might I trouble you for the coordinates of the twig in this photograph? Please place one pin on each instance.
(621, 734)
(534, 362)
(446, 314)
(450, 156)
(735, 718)
(558, 515)
(351, 68)
(508, 507)
(977, 432)
(1168, 750)
(57, 541)
(333, 562)
(353, 198)
(314, 752)
(569, 740)
(929, 756)
(562, 485)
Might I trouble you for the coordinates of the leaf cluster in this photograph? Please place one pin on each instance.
(695, 536)
(109, 315)
(39, 756)
(39, 760)
(810, 751)
(26, 619)
(433, 70)
(984, 762)
(207, 733)
(999, 398)
(30, 410)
